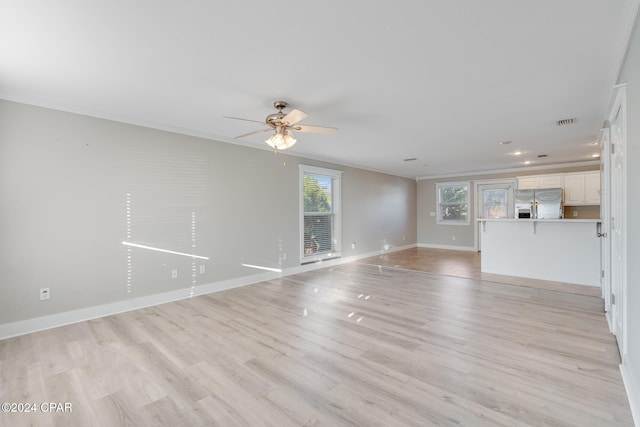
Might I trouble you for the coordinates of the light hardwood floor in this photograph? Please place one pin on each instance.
(466, 264)
(358, 344)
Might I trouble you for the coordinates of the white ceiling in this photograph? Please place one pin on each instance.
(441, 81)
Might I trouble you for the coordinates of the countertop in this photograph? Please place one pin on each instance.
(529, 220)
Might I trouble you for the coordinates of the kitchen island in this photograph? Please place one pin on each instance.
(560, 250)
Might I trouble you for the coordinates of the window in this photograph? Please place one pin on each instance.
(453, 203)
(494, 202)
(320, 213)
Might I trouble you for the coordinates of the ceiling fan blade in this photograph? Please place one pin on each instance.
(254, 132)
(294, 116)
(238, 118)
(315, 129)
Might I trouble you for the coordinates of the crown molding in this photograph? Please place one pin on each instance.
(511, 170)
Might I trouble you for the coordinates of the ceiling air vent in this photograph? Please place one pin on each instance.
(565, 122)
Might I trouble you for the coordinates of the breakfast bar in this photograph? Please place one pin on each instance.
(558, 250)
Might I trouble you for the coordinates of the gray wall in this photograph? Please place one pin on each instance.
(66, 181)
(430, 233)
(631, 76)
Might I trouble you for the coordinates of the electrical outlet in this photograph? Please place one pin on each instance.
(44, 294)
(284, 256)
(174, 274)
(453, 237)
(203, 269)
(353, 245)
(575, 213)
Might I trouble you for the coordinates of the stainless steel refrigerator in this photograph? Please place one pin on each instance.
(545, 203)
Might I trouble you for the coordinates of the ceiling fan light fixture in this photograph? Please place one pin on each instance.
(281, 140)
(289, 139)
(274, 140)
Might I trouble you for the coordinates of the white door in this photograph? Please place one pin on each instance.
(494, 201)
(618, 244)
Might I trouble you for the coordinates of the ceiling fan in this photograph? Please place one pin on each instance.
(283, 124)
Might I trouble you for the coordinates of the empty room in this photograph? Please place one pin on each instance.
(319, 214)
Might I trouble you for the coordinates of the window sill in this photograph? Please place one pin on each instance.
(320, 257)
(453, 222)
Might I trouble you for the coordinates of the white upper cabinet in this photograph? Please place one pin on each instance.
(528, 183)
(551, 181)
(593, 189)
(540, 181)
(582, 188)
(574, 193)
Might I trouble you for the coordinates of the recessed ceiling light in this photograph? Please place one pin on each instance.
(527, 162)
(594, 143)
(595, 156)
(506, 142)
(517, 153)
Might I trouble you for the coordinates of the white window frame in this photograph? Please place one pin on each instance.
(442, 221)
(336, 205)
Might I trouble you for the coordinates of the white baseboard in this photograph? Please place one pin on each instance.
(337, 261)
(631, 380)
(450, 247)
(22, 327)
(28, 326)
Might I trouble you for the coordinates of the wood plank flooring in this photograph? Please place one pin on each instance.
(466, 264)
(357, 344)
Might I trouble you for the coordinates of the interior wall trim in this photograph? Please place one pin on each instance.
(633, 390)
(471, 175)
(450, 247)
(28, 326)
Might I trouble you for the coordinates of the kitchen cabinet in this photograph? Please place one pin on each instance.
(593, 189)
(528, 183)
(540, 181)
(551, 181)
(582, 188)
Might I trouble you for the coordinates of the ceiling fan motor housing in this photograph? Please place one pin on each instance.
(280, 105)
(275, 119)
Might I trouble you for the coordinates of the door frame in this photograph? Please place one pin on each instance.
(512, 182)
(619, 287)
(605, 217)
